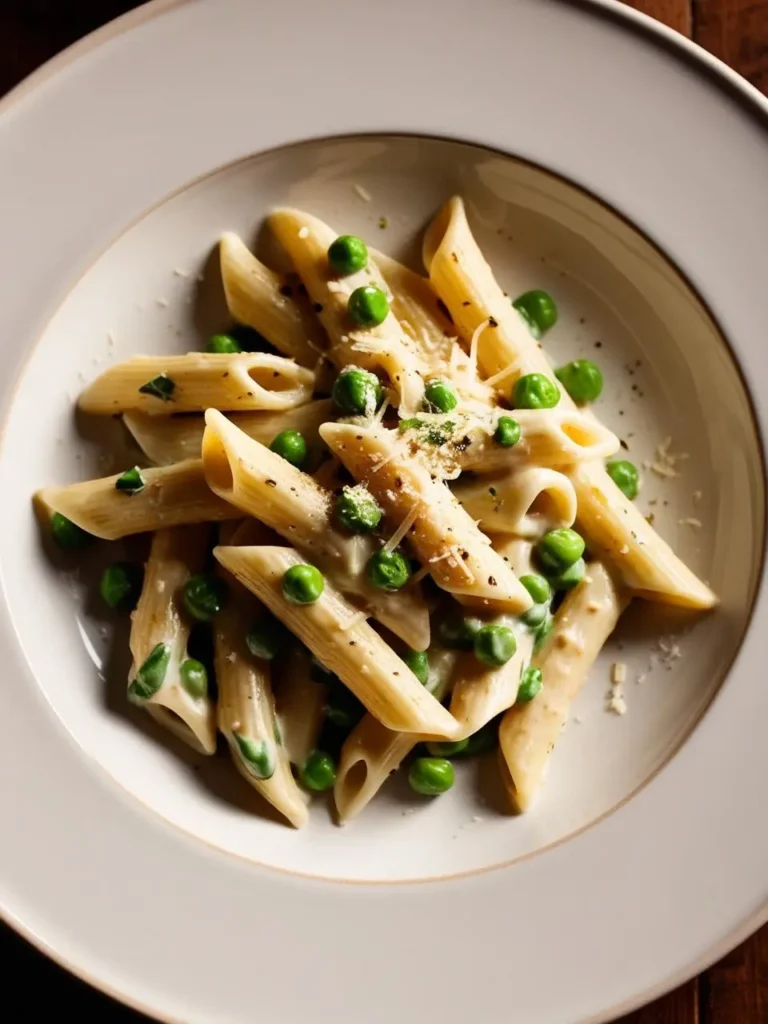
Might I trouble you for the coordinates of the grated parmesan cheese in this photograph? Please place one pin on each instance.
(618, 672)
(690, 521)
(403, 528)
(364, 194)
(502, 374)
(304, 232)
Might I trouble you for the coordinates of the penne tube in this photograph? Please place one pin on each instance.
(168, 439)
(372, 752)
(300, 706)
(162, 385)
(338, 635)
(444, 536)
(385, 347)
(246, 709)
(172, 496)
(525, 502)
(259, 298)
(528, 732)
(505, 350)
(159, 635)
(555, 438)
(264, 485)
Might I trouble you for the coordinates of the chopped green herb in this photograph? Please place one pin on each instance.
(161, 387)
(130, 482)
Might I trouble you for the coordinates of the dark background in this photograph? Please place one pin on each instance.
(735, 991)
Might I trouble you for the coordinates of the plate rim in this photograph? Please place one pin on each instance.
(633, 21)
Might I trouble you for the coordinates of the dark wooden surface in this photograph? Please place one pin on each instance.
(734, 991)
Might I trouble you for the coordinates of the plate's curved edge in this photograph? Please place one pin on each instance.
(117, 26)
(738, 88)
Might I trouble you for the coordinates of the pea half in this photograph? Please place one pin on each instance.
(559, 549)
(303, 584)
(357, 510)
(624, 474)
(530, 685)
(440, 396)
(318, 772)
(357, 392)
(204, 595)
(120, 585)
(347, 254)
(535, 391)
(431, 776)
(570, 577)
(447, 749)
(368, 306)
(507, 433)
(194, 678)
(539, 311)
(266, 638)
(151, 674)
(291, 446)
(582, 380)
(418, 663)
(223, 344)
(388, 570)
(537, 586)
(495, 645)
(257, 756)
(67, 534)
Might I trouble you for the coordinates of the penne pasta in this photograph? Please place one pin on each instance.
(171, 496)
(524, 502)
(372, 752)
(246, 709)
(528, 732)
(385, 347)
(259, 298)
(446, 539)
(159, 634)
(505, 350)
(266, 486)
(300, 706)
(162, 385)
(342, 640)
(168, 439)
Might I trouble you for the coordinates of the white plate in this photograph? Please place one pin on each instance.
(645, 857)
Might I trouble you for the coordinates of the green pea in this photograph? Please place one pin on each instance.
(535, 391)
(624, 474)
(458, 633)
(418, 663)
(150, 676)
(203, 596)
(130, 482)
(318, 772)
(303, 584)
(194, 678)
(507, 432)
(530, 684)
(388, 570)
(542, 633)
(440, 396)
(537, 587)
(357, 510)
(431, 776)
(582, 380)
(570, 577)
(120, 585)
(495, 645)
(291, 446)
(535, 615)
(343, 709)
(348, 254)
(266, 638)
(257, 755)
(447, 749)
(539, 311)
(161, 387)
(368, 306)
(224, 344)
(66, 534)
(357, 392)
(559, 549)
(483, 740)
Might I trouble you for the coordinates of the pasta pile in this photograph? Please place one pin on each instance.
(395, 490)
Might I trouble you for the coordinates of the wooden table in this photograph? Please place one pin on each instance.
(735, 991)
